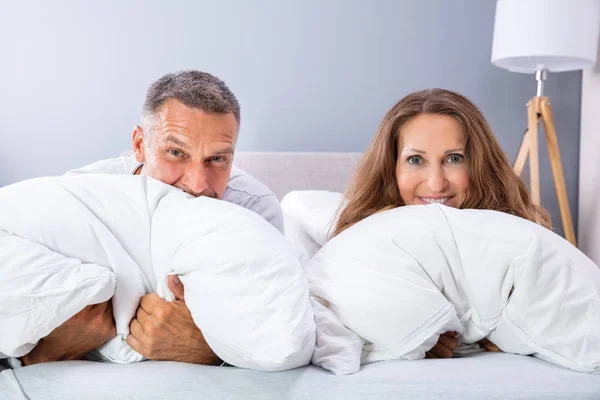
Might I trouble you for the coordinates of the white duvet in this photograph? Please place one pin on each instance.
(390, 285)
(73, 241)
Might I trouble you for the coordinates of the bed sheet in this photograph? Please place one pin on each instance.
(480, 376)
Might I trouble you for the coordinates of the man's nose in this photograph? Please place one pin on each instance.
(437, 181)
(195, 180)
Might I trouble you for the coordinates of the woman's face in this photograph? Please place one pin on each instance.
(431, 165)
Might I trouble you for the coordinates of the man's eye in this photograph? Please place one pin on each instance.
(175, 153)
(414, 160)
(218, 159)
(455, 159)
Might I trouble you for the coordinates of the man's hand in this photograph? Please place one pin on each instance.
(444, 347)
(85, 331)
(165, 330)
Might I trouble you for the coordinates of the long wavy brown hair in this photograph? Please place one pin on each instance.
(493, 183)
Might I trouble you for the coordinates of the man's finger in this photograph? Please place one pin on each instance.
(176, 287)
(142, 316)
(136, 330)
(135, 344)
(149, 302)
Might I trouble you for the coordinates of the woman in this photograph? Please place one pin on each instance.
(435, 146)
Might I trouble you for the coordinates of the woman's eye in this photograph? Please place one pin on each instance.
(455, 159)
(175, 153)
(414, 160)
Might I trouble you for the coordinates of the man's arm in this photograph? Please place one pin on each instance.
(85, 331)
(269, 208)
(246, 191)
(165, 330)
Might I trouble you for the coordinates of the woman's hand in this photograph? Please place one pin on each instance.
(444, 347)
(489, 346)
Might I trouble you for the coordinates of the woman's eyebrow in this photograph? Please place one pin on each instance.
(415, 150)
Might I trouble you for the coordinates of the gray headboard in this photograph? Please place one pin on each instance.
(283, 172)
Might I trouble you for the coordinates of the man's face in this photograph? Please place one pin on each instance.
(189, 149)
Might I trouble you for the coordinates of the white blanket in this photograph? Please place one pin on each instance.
(400, 278)
(73, 241)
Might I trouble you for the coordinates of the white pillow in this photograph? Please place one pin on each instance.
(400, 278)
(309, 217)
(243, 283)
(35, 300)
(245, 287)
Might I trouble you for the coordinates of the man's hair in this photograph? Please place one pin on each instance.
(195, 89)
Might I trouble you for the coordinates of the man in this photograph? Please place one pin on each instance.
(190, 124)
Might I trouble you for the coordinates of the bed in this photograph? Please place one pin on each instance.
(479, 376)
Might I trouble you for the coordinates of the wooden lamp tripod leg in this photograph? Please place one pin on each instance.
(534, 161)
(522, 154)
(557, 170)
(529, 143)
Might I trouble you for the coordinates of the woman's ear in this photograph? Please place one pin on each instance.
(138, 144)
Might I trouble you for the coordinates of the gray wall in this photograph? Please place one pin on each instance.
(311, 75)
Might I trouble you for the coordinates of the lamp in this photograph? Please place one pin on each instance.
(537, 37)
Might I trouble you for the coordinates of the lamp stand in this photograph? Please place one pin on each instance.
(539, 107)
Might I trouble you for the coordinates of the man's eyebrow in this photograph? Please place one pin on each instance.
(454, 150)
(224, 151)
(173, 139)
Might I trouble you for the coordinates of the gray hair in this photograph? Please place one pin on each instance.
(195, 89)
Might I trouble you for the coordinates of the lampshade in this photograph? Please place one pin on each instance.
(556, 35)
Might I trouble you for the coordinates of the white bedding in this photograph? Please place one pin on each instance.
(484, 376)
(309, 216)
(72, 241)
(400, 278)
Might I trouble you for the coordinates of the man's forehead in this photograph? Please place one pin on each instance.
(173, 109)
(175, 120)
(224, 144)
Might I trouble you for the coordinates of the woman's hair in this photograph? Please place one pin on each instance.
(493, 183)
